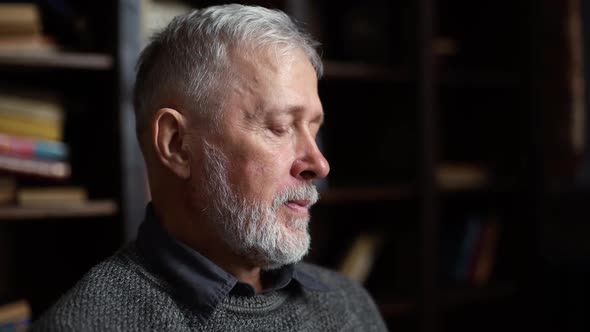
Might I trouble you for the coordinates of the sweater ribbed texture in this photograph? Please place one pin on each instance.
(123, 294)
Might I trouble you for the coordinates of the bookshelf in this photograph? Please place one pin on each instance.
(87, 69)
(96, 208)
(57, 59)
(409, 86)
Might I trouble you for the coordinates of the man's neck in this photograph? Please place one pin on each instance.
(205, 240)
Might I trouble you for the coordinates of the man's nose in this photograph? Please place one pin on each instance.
(312, 164)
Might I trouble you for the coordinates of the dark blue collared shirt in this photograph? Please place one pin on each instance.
(199, 281)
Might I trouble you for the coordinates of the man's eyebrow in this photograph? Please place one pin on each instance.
(294, 110)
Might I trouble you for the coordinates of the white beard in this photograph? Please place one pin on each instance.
(252, 229)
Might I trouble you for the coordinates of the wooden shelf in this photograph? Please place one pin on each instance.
(364, 71)
(450, 298)
(397, 308)
(478, 77)
(97, 208)
(447, 77)
(390, 193)
(470, 295)
(366, 194)
(56, 59)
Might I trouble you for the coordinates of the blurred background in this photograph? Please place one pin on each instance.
(456, 130)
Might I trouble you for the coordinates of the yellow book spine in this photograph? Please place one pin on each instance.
(14, 125)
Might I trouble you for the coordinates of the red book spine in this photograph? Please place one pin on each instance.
(21, 146)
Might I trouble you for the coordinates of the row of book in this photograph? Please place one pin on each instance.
(32, 123)
(32, 146)
(31, 136)
(468, 254)
(476, 258)
(469, 250)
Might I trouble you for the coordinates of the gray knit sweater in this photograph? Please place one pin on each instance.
(122, 294)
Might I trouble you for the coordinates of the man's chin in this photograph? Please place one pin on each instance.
(294, 221)
(285, 256)
(273, 265)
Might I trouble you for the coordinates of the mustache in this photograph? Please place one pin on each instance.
(306, 192)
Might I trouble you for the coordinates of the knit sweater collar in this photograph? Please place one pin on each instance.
(199, 281)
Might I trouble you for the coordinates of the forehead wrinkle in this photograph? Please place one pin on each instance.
(244, 90)
(252, 70)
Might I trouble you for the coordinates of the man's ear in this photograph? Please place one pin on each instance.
(169, 137)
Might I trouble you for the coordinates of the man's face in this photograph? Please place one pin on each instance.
(261, 165)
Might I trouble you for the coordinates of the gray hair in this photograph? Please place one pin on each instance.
(189, 59)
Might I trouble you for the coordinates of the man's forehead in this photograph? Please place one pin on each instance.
(252, 74)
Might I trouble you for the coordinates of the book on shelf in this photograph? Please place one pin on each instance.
(576, 79)
(15, 316)
(358, 262)
(32, 105)
(19, 19)
(456, 176)
(15, 45)
(37, 116)
(7, 190)
(29, 128)
(477, 254)
(469, 245)
(445, 46)
(21, 29)
(485, 255)
(563, 100)
(52, 196)
(32, 148)
(50, 169)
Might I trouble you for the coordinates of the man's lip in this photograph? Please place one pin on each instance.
(300, 206)
(300, 202)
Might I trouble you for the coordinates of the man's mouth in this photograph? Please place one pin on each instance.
(300, 205)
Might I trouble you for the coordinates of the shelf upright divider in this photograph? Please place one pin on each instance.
(427, 97)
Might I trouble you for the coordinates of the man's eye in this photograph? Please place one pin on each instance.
(279, 131)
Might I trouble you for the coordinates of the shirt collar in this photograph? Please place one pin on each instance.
(197, 279)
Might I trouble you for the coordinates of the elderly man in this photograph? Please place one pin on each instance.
(227, 117)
